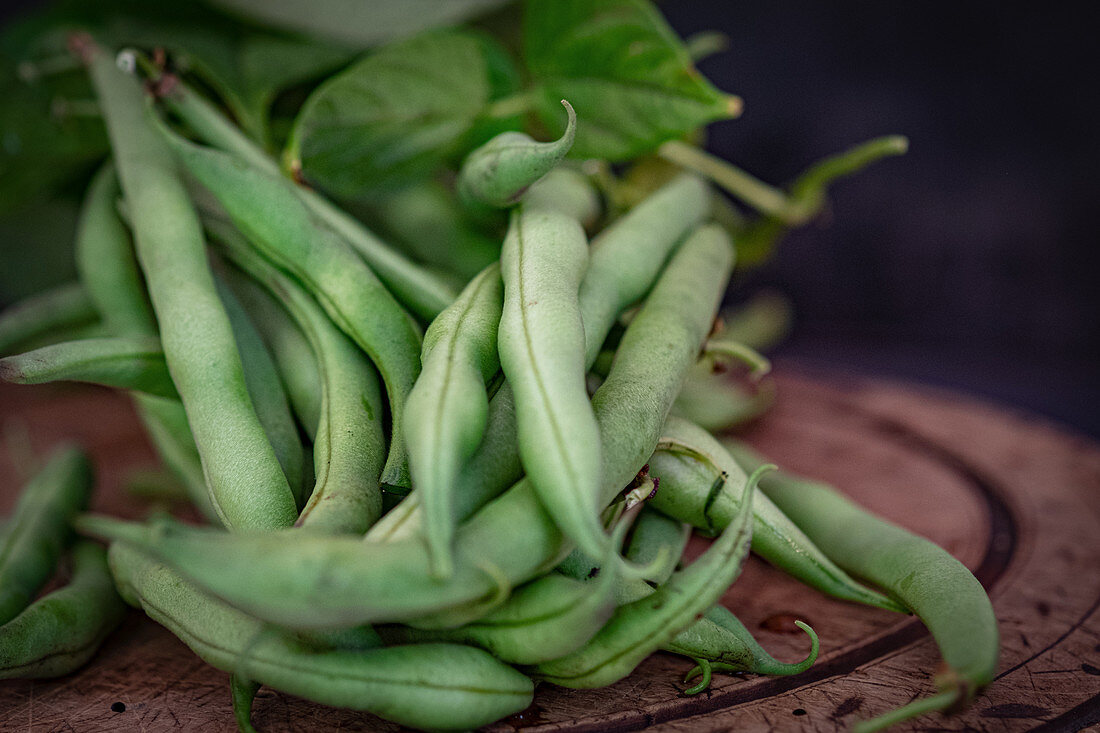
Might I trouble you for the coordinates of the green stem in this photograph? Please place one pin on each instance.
(513, 105)
(763, 197)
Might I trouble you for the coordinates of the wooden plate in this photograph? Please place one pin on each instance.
(1016, 499)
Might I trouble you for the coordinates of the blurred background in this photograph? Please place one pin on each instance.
(969, 263)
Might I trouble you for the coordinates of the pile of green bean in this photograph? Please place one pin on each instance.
(429, 487)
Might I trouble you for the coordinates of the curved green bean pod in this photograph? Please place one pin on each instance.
(716, 403)
(638, 629)
(416, 288)
(105, 260)
(448, 406)
(38, 316)
(332, 582)
(499, 172)
(289, 348)
(270, 215)
(349, 447)
(433, 686)
(123, 362)
(623, 262)
(541, 344)
(38, 529)
(923, 576)
(61, 631)
(721, 639)
(265, 389)
(109, 270)
(696, 472)
(246, 483)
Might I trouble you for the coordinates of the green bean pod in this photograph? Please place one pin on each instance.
(109, 270)
(923, 576)
(39, 316)
(541, 344)
(417, 289)
(349, 445)
(289, 348)
(499, 172)
(623, 262)
(544, 619)
(698, 486)
(246, 482)
(265, 389)
(448, 406)
(638, 629)
(333, 582)
(124, 362)
(430, 686)
(61, 631)
(105, 259)
(38, 530)
(272, 217)
(715, 403)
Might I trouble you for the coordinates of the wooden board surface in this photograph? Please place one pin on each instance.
(1016, 499)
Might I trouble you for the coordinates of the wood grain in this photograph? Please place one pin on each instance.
(1014, 498)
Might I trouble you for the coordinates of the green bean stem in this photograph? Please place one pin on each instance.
(61, 631)
(38, 530)
(332, 582)
(247, 485)
(923, 576)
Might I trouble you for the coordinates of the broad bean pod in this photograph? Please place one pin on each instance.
(923, 576)
(699, 481)
(61, 631)
(38, 530)
(333, 582)
(133, 363)
(247, 485)
(431, 686)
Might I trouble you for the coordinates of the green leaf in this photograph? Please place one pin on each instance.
(626, 72)
(392, 117)
(358, 23)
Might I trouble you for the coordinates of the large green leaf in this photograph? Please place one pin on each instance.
(358, 23)
(627, 74)
(392, 117)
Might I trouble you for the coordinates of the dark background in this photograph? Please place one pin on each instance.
(972, 261)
